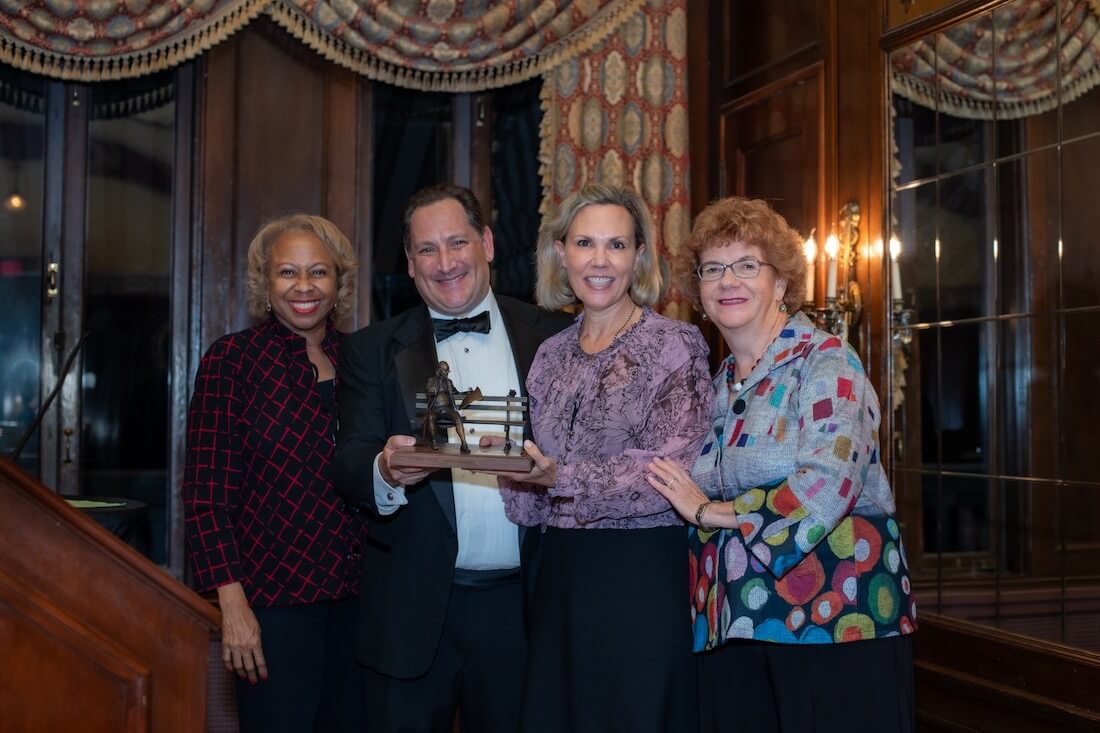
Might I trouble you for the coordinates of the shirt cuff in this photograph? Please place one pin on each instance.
(387, 499)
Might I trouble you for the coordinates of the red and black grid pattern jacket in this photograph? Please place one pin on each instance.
(257, 492)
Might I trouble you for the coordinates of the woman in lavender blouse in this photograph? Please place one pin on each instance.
(610, 648)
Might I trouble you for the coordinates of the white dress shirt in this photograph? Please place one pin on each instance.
(487, 540)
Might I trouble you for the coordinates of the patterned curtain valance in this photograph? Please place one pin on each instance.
(452, 45)
(1005, 65)
(435, 45)
(97, 40)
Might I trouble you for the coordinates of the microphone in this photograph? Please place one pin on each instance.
(48, 401)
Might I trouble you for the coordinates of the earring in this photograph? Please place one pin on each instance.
(706, 317)
(268, 306)
(782, 307)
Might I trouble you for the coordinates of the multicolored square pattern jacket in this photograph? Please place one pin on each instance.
(817, 556)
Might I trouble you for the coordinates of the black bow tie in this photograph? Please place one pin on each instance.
(446, 327)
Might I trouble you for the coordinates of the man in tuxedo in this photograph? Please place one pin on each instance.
(441, 599)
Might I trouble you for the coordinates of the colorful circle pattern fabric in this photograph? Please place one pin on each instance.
(853, 585)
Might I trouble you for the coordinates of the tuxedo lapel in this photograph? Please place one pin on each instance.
(415, 361)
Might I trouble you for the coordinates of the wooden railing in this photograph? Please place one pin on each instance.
(978, 678)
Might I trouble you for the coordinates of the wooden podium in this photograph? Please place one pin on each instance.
(93, 636)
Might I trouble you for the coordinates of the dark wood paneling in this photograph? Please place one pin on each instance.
(973, 678)
(93, 610)
(764, 35)
(70, 673)
(216, 304)
(772, 145)
(859, 174)
(281, 131)
(924, 17)
(703, 100)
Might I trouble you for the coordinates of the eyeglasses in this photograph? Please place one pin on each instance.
(745, 269)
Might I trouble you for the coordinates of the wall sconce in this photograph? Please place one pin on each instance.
(902, 316)
(843, 304)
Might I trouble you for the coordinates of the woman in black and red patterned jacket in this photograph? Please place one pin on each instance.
(264, 526)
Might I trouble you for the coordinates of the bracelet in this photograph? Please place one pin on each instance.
(699, 517)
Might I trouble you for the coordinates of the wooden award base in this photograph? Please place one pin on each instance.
(451, 456)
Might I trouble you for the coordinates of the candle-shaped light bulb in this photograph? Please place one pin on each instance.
(832, 247)
(809, 248)
(895, 270)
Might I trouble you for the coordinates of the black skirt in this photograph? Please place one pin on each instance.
(610, 641)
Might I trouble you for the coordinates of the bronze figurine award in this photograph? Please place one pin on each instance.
(441, 406)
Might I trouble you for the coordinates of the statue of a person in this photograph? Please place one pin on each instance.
(440, 391)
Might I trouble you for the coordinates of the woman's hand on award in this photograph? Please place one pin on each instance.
(543, 473)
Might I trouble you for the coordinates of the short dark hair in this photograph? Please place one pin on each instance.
(440, 192)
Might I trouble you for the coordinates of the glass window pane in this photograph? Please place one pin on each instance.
(1027, 233)
(125, 383)
(964, 139)
(957, 519)
(1080, 114)
(1080, 223)
(966, 237)
(1080, 396)
(22, 135)
(1029, 422)
(413, 148)
(915, 219)
(1024, 65)
(963, 404)
(914, 131)
(925, 377)
(517, 189)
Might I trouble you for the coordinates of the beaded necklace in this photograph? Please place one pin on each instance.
(731, 369)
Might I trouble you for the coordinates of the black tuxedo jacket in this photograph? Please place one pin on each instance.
(409, 556)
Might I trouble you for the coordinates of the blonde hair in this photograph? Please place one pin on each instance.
(552, 290)
(751, 222)
(259, 255)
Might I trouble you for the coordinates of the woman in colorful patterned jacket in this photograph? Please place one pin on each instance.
(264, 525)
(800, 595)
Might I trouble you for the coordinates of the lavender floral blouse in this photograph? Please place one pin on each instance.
(604, 416)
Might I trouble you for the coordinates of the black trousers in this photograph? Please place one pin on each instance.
(610, 648)
(478, 669)
(856, 687)
(314, 682)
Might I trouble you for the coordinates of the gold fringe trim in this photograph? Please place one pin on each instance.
(173, 51)
(971, 109)
(474, 79)
(212, 31)
(548, 134)
(922, 93)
